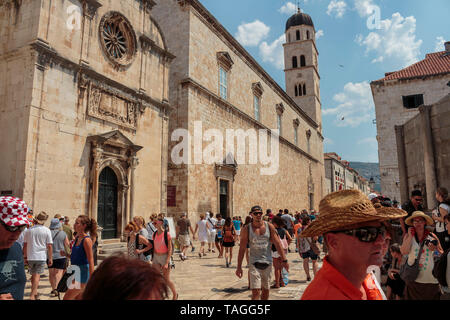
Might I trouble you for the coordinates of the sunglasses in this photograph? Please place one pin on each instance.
(365, 234)
(257, 213)
(12, 228)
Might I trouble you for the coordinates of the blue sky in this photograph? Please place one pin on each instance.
(355, 48)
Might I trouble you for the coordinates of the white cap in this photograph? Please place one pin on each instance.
(372, 196)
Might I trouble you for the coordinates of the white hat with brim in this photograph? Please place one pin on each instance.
(419, 214)
(343, 209)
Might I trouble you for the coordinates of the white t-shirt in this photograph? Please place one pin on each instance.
(440, 226)
(37, 238)
(212, 223)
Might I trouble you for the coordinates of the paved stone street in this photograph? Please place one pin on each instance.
(207, 278)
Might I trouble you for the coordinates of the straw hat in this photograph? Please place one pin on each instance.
(419, 214)
(41, 218)
(340, 210)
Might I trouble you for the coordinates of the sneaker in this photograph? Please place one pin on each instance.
(193, 249)
(181, 257)
(227, 264)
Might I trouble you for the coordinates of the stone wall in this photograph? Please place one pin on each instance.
(46, 102)
(390, 112)
(418, 177)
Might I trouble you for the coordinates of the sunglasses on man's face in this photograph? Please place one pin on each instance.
(257, 213)
(13, 228)
(365, 234)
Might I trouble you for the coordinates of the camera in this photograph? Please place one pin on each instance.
(431, 240)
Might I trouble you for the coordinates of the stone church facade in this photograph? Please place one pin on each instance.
(216, 83)
(84, 108)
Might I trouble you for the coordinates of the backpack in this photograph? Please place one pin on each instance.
(440, 268)
(145, 253)
(228, 234)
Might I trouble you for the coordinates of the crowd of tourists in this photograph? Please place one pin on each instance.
(371, 248)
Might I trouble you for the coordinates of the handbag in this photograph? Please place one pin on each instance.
(62, 284)
(409, 273)
(314, 247)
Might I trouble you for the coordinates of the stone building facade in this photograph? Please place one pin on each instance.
(397, 97)
(215, 84)
(84, 108)
(340, 176)
(423, 148)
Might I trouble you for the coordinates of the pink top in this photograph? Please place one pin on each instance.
(160, 244)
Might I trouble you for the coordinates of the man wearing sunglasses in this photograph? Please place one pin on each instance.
(259, 235)
(410, 206)
(13, 221)
(355, 236)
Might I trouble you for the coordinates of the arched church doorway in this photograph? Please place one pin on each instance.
(107, 203)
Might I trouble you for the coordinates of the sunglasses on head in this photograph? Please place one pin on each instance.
(13, 228)
(365, 234)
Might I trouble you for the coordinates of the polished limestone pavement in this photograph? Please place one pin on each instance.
(208, 278)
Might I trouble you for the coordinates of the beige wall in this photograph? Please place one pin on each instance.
(390, 112)
(43, 120)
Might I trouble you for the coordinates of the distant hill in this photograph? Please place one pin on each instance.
(368, 170)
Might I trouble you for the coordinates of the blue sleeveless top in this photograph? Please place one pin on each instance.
(78, 256)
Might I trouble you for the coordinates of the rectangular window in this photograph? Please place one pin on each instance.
(256, 105)
(223, 83)
(413, 101)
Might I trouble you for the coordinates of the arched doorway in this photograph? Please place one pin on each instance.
(107, 203)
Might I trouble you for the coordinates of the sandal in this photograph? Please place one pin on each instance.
(199, 255)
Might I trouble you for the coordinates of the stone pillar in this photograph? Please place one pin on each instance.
(90, 8)
(428, 156)
(402, 169)
(133, 162)
(96, 155)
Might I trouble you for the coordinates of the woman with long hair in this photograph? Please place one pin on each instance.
(82, 255)
(136, 244)
(394, 284)
(248, 220)
(228, 240)
(162, 251)
(305, 250)
(285, 238)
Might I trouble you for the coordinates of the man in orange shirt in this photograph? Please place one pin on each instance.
(354, 234)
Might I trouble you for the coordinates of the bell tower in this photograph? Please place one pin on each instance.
(301, 65)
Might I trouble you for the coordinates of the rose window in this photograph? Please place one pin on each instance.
(118, 39)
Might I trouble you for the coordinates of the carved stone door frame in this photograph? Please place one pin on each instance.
(226, 171)
(114, 150)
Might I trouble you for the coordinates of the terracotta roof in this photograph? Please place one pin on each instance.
(436, 63)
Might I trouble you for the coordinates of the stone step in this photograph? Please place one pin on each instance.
(113, 246)
(112, 250)
(109, 241)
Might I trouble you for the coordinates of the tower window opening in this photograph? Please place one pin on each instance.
(300, 90)
(307, 34)
(304, 89)
(298, 34)
(294, 62)
(302, 61)
(296, 91)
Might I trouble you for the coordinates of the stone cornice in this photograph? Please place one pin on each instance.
(149, 44)
(246, 57)
(194, 84)
(47, 56)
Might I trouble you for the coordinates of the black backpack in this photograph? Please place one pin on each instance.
(440, 268)
(145, 253)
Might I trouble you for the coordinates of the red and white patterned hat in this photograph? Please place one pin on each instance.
(13, 211)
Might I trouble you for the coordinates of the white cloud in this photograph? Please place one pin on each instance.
(396, 40)
(289, 9)
(251, 34)
(319, 34)
(273, 52)
(364, 7)
(354, 105)
(337, 8)
(440, 41)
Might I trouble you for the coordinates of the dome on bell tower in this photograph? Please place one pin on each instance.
(299, 19)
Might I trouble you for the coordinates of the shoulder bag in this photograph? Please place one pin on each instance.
(314, 247)
(409, 273)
